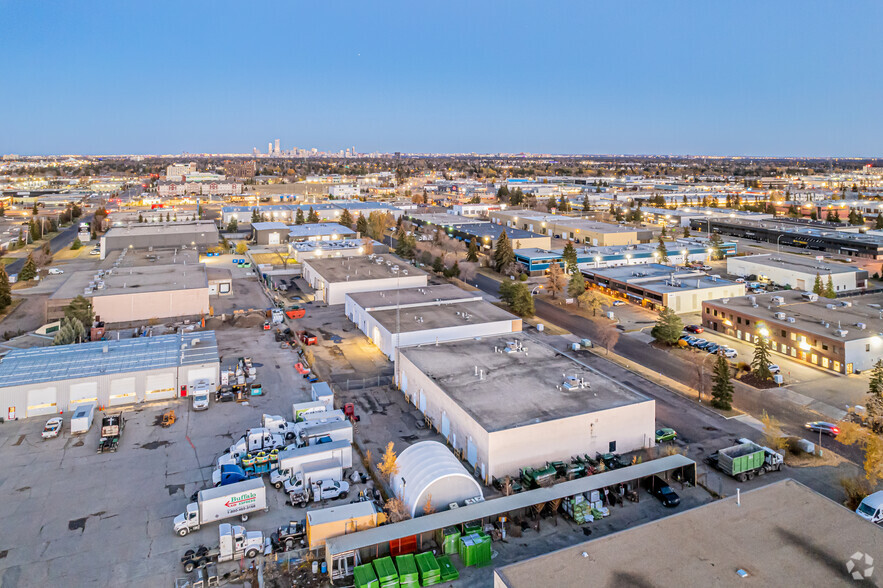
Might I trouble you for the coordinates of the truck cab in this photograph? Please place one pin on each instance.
(254, 440)
(237, 542)
(188, 520)
(871, 508)
(199, 395)
(277, 424)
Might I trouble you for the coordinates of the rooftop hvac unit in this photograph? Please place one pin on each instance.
(777, 300)
(845, 303)
(841, 332)
(791, 319)
(861, 326)
(725, 300)
(830, 306)
(779, 315)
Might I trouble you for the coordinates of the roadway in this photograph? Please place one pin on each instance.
(60, 241)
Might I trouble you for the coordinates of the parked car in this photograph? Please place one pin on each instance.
(52, 428)
(698, 341)
(728, 352)
(95, 251)
(703, 345)
(774, 369)
(666, 434)
(694, 329)
(54, 271)
(661, 490)
(712, 348)
(705, 268)
(740, 280)
(829, 429)
(618, 303)
(687, 339)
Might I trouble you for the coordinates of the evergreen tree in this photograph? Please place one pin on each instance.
(612, 209)
(507, 291)
(362, 225)
(576, 286)
(760, 365)
(140, 218)
(686, 231)
(663, 234)
(299, 217)
(836, 216)
(70, 331)
(312, 217)
(662, 251)
(716, 242)
(35, 211)
(563, 205)
(569, 258)
(29, 270)
(255, 215)
(503, 255)
(76, 244)
(829, 288)
(438, 265)
(668, 327)
(20, 242)
(346, 219)
(503, 193)
(586, 205)
(517, 197)
(453, 271)
(80, 308)
(874, 404)
(472, 251)
(168, 217)
(34, 229)
(551, 203)
(2, 210)
(233, 225)
(5, 290)
(878, 224)
(817, 286)
(722, 388)
(522, 301)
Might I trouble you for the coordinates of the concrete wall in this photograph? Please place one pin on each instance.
(108, 390)
(142, 306)
(797, 278)
(691, 300)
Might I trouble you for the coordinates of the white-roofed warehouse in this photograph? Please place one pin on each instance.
(429, 471)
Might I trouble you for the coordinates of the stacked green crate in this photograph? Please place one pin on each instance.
(449, 539)
(475, 549)
(386, 572)
(407, 571)
(448, 572)
(578, 508)
(430, 572)
(365, 577)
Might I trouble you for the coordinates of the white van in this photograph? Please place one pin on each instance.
(871, 508)
(199, 394)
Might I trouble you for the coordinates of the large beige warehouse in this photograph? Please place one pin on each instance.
(132, 294)
(334, 278)
(47, 380)
(510, 402)
(190, 235)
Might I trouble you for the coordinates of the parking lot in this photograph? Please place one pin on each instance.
(82, 518)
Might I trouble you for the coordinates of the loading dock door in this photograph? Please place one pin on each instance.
(84, 392)
(207, 374)
(122, 391)
(160, 387)
(422, 401)
(446, 425)
(42, 401)
(471, 452)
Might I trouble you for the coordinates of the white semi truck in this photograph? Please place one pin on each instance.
(316, 434)
(234, 543)
(216, 504)
(276, 424)
(254, 440)
(293, 461)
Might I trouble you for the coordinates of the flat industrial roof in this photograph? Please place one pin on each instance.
(582, 224)
(312, 229)
(424, 295)
(661, 278)
(781, 534)
(426, 318)
(804, 229)
(799, 263)
(810, 316)
(445, 219)
(81, 360)
(362, 267)
(269, 226)
(341, 513)
(149, 229)
(518, 388)
(134, 280)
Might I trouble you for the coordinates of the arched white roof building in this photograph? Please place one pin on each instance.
(429, 468)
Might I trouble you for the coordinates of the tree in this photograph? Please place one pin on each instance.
(817, 286)
(77, 244)
(438, 265)
(591, 301)
(773, 436)
(70, 330)
(80, 308)
(829, 288)
(551, 204)
(607, 337)
(453, 271)
(312, 217)
(140, 218)
(396, 510)
(5, 290)
(878, 224)
(378, 223)
(2, 210)
(503, 193)
(29, 270)
(874, 404)
(715, 242)
(362, 225)
(662, 252)
(586, 205)
(503, 254)
(472, 252)
(405, 244)
(34, 229)
(507, 291)
(568, 256)
(556, 280)
(233, 225)
(668, 327)
(367, 246)
(522, 301)
(428, 509)
(346, 219)
(576, 286)
(760, 365)
(299, 217)
(388, 466)
(35, 211)
(255, 215)
(686, 231)
(722, 387)
(872, 443)
(241, 248)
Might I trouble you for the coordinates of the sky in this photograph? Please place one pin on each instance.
(754, 78)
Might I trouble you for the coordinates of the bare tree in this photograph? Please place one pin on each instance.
(607, 337)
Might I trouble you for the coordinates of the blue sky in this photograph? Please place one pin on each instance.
(715, 78)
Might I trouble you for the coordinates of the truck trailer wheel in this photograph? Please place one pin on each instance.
(742, 477)
(251, 553)
(183, 532)
(243, 517)
(277, 485)
(761, 471)
(189, 566)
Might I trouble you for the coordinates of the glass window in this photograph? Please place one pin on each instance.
(794, 336)
(784, 333)
(824, 346)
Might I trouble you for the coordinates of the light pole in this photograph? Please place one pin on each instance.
(778, 249)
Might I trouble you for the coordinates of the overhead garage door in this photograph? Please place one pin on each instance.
(160, 387)
(471, 452)
(84, 392)
(422, 401)
(213, 289)
(194, 376)
(42, 401)
(122, 391)
(446, 425)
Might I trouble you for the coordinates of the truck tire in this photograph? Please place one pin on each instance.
(289, 544)
(277, 485)
(243, 517)
(289, 436)
(742, 477)
(251, 553)
(183, 532)
(342, 495)
(750, 475)
(761, 471)
(189, 566)
(189, 553)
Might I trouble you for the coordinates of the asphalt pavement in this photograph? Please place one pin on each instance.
(57, 243)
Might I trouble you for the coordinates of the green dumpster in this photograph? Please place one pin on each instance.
(448, 572)
(407, 567)
(449, 539)
(430, 572)
(386, 572)
(365, 577)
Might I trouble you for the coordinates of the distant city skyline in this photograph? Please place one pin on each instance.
(643, 78)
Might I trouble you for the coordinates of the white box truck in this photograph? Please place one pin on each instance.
(322, 392)
(325, 433)
(292, 461)
(199, 395)
(223, 502)
(304, 408)
(81, 422)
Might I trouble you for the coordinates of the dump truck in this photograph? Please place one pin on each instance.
(112, 426)
(745, 460)
(216, 504)
(234, 542)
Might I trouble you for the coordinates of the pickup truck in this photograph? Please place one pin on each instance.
(286, 537)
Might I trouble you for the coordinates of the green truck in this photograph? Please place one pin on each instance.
(745, 460)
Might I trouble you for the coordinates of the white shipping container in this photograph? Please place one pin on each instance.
(81, 422)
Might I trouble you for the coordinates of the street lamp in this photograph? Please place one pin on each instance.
(778, 249)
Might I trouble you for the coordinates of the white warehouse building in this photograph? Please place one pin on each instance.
(334, 278)
(797, 271)
(500, 404)
(44, 381)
